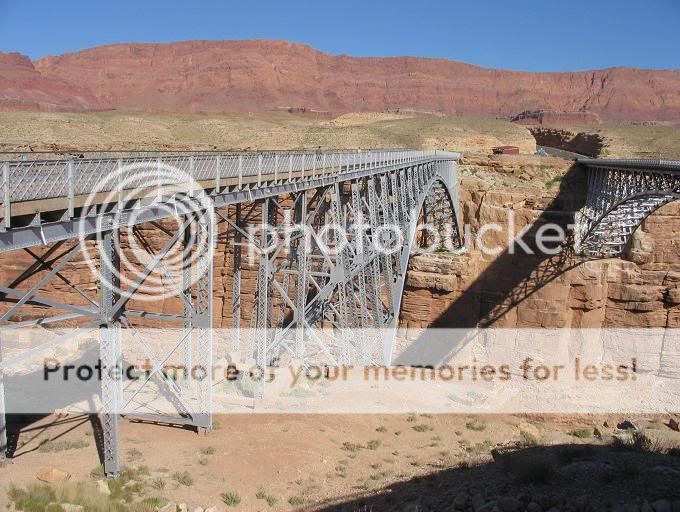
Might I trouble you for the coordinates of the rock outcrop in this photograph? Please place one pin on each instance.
(264, 75)
(641, 290)
(22, 87)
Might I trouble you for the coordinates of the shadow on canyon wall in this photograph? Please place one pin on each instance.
(513, 276)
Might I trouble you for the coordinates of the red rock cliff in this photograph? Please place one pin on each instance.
(263, 75)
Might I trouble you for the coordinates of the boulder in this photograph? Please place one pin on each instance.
(627, 425)
(52, 475)
(674, 423)
(103, 488)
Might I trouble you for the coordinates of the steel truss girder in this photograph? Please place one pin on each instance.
(43, 233)
(618, 201)
(356, 292)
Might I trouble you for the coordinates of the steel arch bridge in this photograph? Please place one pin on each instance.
(322, 296)
(621, 195)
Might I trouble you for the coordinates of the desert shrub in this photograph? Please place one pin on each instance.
(62, 445)
(231, 499)
(35, 498)
(183, 478)
(297, 501)
(264, 495)
(158, 483)
(45, 498)
(476, 425)
(639, 442)
(351, 447)
(527, 439)
(373, 444)
(581, 433)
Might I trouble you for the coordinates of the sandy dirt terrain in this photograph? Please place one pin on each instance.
(318, 462)
(34, 131)
(27, 131)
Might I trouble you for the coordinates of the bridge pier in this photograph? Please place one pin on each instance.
(110, 351)
(4, 448)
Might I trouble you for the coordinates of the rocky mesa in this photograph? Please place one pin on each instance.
(264, 75)
(22, 87)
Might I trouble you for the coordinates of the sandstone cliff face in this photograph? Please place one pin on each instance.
(642, 290)
(262, 75)
(22, 87)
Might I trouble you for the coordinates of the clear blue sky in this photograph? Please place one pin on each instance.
(544, 35)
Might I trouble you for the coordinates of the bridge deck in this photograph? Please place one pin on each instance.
(44, 199)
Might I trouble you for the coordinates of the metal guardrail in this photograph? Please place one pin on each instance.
(28, 180)
(631, 163)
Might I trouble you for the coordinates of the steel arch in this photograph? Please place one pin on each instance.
(621, 195)
(401, 282)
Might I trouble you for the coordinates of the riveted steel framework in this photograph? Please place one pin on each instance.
(621, 194)
(322, 296)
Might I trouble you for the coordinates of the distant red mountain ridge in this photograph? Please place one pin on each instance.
(264, 75)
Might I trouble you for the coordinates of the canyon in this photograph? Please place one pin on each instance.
(266, 75)
(640, 290)
(501, 290)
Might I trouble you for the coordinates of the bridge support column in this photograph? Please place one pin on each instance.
(110, 352)
(376, 274)
(236, 285)
(302, 282)
(4, 448)
(342, 271)
(262, 307)
(187, 307)
(360, 251)
(203, 316)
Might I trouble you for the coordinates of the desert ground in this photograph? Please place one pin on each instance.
(33, 131)
(355, 462)
(364, 463)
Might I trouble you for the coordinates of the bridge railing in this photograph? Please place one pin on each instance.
(29, 180)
